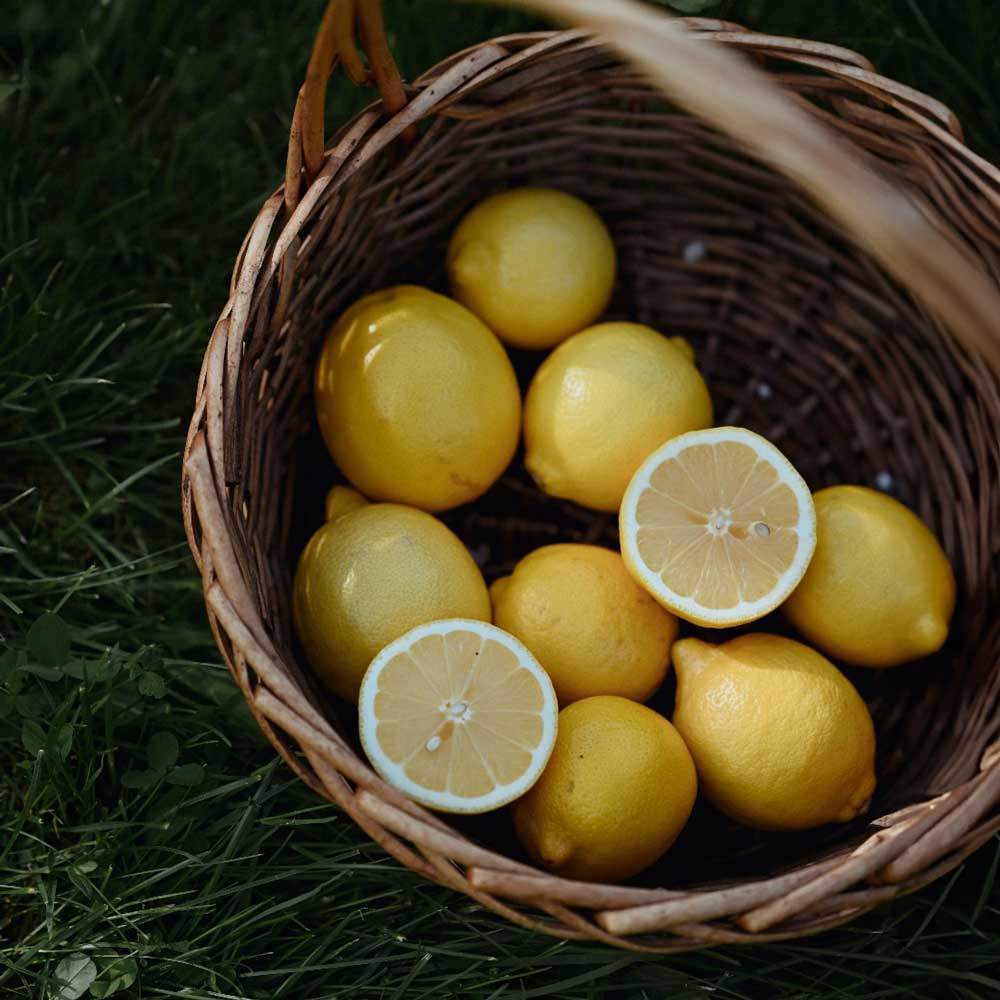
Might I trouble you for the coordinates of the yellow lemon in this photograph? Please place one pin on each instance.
(458, 715)
(879, 590)
(617, 791)
(779, 736)
(371, 575)
(416, 399)
(601, 402)
(592, 627)
(718, 526)
(534, 264)
(342, 500)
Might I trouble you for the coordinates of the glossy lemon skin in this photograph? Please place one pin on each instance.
(371, 575)
(780, 738)
(616, 792)
(601, 403)
(416, 399)
(535, 264)
(589, 624)
(879, 590)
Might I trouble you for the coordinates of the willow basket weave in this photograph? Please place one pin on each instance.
(801, 335)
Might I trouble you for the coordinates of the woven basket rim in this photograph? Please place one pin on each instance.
(904, 851)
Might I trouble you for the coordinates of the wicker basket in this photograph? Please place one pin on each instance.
(830, 350)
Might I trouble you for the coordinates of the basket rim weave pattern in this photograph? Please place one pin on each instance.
(903, 851)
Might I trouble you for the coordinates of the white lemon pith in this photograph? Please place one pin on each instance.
(718, 526)
(368, 576)
(601, 402)
(416, 399)
(535, 264)
(458, 715)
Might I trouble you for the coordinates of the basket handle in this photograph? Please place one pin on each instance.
(738, 99)
(344, 23)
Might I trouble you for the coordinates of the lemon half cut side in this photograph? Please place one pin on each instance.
(718, 526)
(458, 715)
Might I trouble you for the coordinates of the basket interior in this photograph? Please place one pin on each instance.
(798, 334)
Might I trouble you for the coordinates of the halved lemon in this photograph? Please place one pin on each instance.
(458, 715)
(718, 526)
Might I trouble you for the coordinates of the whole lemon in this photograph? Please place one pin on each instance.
(601, 403)
(616, 792)
(589, 624)
(534, 264)
(416, 399)
(371, 575)
(879, 590)
(779, 736)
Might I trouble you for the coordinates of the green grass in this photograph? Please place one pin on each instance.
(147, 833)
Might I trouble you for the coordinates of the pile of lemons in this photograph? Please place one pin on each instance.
(531, 692)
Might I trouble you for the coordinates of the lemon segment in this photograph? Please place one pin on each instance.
(458, 715)
(718, 526)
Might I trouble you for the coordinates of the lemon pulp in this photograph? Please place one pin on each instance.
(458, 715)
(718, 526)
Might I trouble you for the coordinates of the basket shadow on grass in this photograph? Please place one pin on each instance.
(799, 338)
